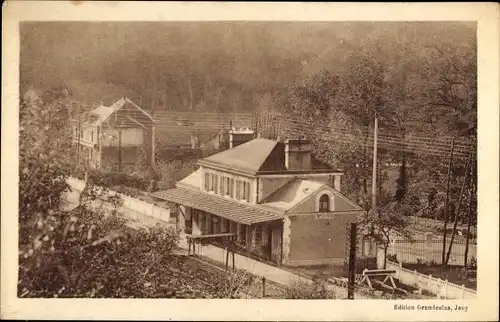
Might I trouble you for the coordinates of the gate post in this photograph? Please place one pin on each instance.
(352, 261)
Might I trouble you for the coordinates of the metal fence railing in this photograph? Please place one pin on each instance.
(430, 250)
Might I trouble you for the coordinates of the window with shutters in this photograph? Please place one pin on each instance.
(248, 192)
(214, 183)
(222, 187)
(245, 195)
(207, 181)
(238, 189)
(231, 184)
(226, 186)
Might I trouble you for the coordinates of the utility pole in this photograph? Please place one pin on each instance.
(447, 201)
(120, 150)
(374, 183)
(154, 95)
(374, 173)
(120, 126)
(457, 211)
(472, 192)
(78, 145)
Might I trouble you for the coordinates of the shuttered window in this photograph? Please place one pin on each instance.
(207, 181)
(222, 186)
(213, 186)
(246, 191)
(238, 189)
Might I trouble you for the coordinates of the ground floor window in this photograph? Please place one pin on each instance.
(258, 235)
(224, 226)
(243, 233)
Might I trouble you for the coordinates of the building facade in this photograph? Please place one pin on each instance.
(281, 203)
(110, 136)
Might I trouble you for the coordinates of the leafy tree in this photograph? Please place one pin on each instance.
(44, 143)
(450, 94)
(390, 220)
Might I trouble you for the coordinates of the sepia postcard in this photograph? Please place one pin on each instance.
(250, 161)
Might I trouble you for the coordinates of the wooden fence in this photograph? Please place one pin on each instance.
(441, 288)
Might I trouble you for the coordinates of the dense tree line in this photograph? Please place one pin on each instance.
(413, 85)
(220, 66)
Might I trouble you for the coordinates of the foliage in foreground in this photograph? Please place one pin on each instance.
(304, 291)
(90, 252)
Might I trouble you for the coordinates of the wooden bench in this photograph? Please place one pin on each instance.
(389, 275)
(228, 239)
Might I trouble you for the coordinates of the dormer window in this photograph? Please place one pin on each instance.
(324, 203)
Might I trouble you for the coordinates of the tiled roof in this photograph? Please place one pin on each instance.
(226, 208)
(297, 190)
(102, 112)
(292, 193)
(248, 156)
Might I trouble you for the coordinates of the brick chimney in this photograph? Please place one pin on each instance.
(298, 154)
(237, 137)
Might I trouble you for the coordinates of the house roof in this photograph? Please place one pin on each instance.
(292, 193)
(102, 113)
(248, 156)
(260, 156)
(298, 190)
(192, 180)
(220, 206)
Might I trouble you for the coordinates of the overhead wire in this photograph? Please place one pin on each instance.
(170, 121)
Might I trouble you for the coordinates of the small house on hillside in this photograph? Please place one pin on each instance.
(111, 136)
(275, 197)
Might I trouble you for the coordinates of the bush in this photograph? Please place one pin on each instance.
(472, 264)
(303, 290)
(392, 257)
